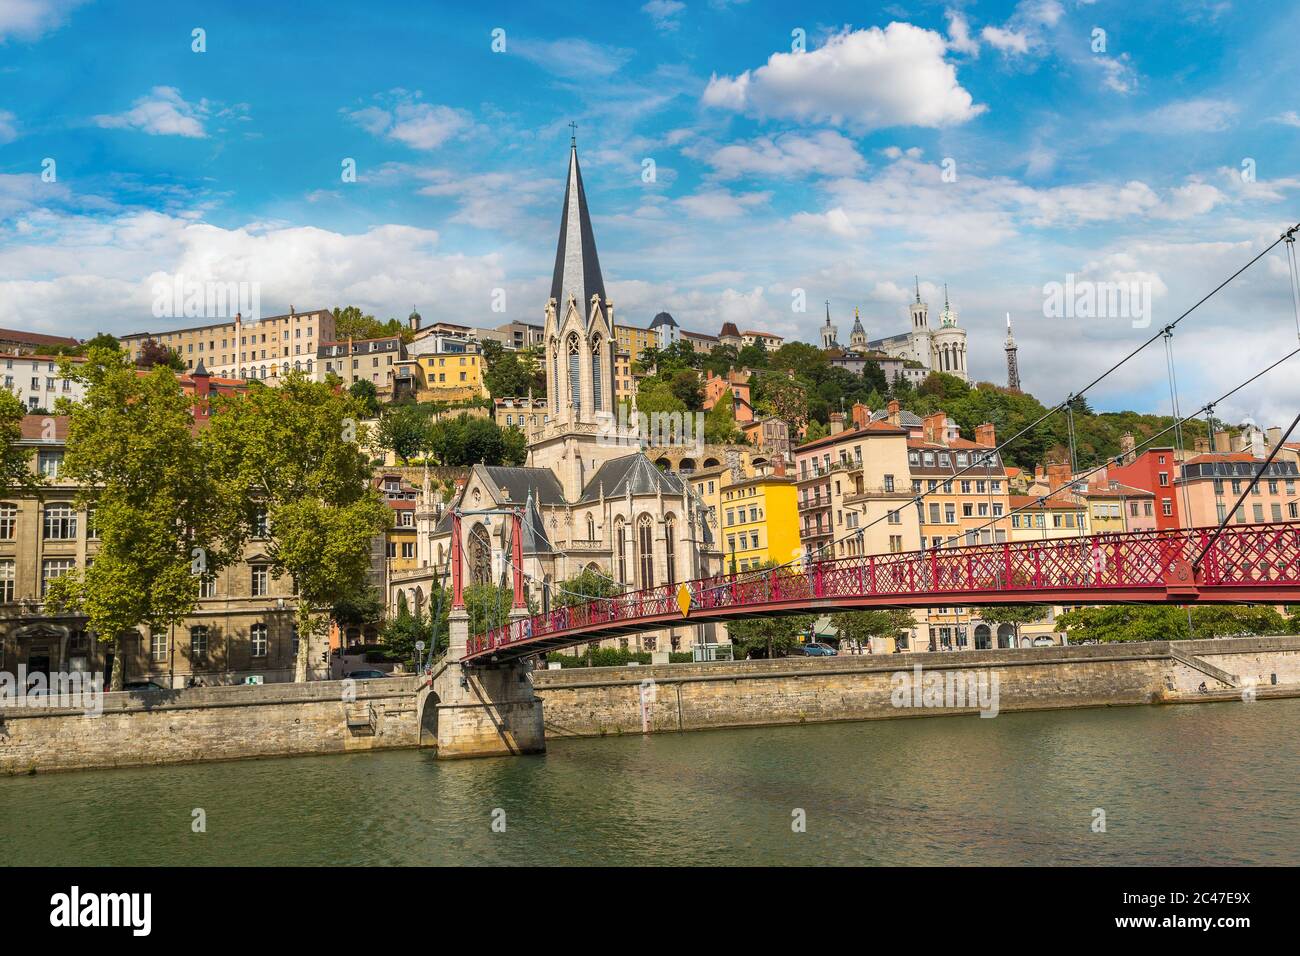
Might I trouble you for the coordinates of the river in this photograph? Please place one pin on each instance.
(1204, 783)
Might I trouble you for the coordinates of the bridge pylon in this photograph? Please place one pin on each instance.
(489, 710)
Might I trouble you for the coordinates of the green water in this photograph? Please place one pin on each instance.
(1206, 783)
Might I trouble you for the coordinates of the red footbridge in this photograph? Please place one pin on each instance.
(1245, 564)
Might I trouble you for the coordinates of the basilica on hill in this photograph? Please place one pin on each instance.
(588, 500)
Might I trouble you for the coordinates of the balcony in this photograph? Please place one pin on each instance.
(814, 502)
(872, 494)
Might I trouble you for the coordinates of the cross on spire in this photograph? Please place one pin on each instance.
(573, 133)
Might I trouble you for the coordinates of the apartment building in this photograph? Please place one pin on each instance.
(760, 522)
(355, 360)
(634, 341)
(20, 342)
(736, 382)
(36, 380)
(853, 490)
(265, 350)
(243, 626)
(1154, 470)
(964, 484)
(526, 414)
(1211, 483)
(441, 368)
(400, 542)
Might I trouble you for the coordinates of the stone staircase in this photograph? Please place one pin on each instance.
(361, 718)
(1205, 667)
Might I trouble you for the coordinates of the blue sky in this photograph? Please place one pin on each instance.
(775, 170)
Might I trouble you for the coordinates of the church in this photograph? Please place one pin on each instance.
(936, 350)
(589, 500)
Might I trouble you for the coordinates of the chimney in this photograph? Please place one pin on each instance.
(1201, 445)
(1222, 441)
(778, 466)
(894, 410)
(986, 435)
(1274, 435)
(861, 415)
(932, 427)
(1058, 474)
(1040, 473)
(1127, 446)
(837, 422)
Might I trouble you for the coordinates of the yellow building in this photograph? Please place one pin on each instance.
(760, 522)
(448, 371)
(634, 341)
(402, 497)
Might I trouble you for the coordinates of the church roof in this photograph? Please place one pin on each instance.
(663, 318)
(634, 471)
(519, 483)
(577, 268)
(729, 330)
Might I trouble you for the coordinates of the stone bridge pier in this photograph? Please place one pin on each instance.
(484, 711)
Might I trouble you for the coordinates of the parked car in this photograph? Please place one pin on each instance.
(816, 649)
(364, 675)
(142, 685)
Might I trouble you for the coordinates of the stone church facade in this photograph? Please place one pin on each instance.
(590, 500)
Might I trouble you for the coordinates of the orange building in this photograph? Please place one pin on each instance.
(738, 384)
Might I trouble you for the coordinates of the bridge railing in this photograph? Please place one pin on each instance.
(1244, 555)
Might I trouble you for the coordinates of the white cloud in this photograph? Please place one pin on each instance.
(163, 112)
(101, 271)
(867, 79)
(405, 118)
(1008, 41)
(959, 38)
(571, 57)
(1288, 118)
(792, 155)
(8, 127)
(1117, 72)
(664, 13)
(1200, 115)
(32, 19)
(721, 203)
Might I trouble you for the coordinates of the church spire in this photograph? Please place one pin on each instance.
(918, 288)
(577, 268)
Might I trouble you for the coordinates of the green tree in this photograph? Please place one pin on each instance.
(769, 636)
(1125, 622)
(582, 587)
(297, 449)
(720, 423)
(165, 519)
(403, 430)
(861, 626)
(15, 461)
(365, 390)
(467, 440)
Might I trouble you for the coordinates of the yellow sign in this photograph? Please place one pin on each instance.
(684, 599)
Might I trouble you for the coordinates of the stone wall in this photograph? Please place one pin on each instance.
(597, 701)
(211, 723)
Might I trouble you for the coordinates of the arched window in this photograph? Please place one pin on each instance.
(670, 547)
(480, 556)
(595, 373)
(554, 384)
(645, 550)
(591, 528)
(575, 378)
(620, 550)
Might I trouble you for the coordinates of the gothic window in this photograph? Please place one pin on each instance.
(591, 528)
(480, 556)
(554, 384)
(595, 372)
(575, 379)
(670, 547)
(620, 546)
(645, 550)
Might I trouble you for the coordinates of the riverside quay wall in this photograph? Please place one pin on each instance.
(212, 723)
(582, 702)
(322, 717)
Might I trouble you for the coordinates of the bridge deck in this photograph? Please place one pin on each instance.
(1256, 564)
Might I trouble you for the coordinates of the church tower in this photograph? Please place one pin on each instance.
(829, 332)
(579, 344)
(920, 311)
(858, 336)
(1013, 366)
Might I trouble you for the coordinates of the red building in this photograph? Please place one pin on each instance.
(1155, 470)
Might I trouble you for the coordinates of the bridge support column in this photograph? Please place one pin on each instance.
(488, 711)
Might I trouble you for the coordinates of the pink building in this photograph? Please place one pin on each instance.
(1213, 482)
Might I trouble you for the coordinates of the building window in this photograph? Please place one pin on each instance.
(49, 463)
(60, 523)
(260, 522)
(670, 548)
(257, 640)
(52, 569)
(645, 551)
(6, 582)
(158, 646)
(207, 588)
(8, 521)
(199, 642)
(261, 580)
